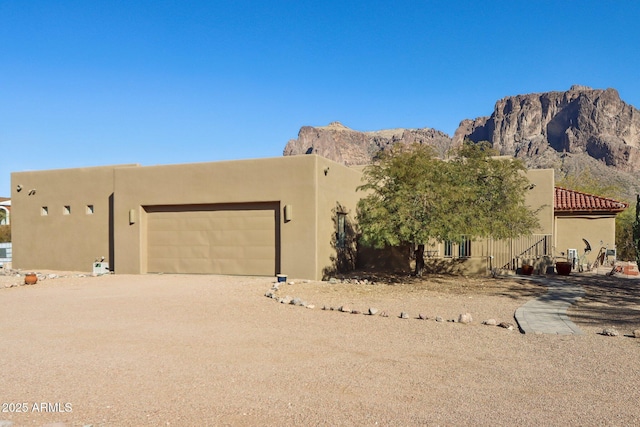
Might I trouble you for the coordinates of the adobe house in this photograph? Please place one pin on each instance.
(566, 218)
(245, 217)
(292, 215)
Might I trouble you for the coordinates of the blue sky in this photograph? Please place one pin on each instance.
(87, 83)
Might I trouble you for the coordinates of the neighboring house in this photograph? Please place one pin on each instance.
(293, 215)
(5, 208)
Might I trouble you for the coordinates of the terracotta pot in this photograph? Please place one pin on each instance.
(563, 268)
(30, 279)
(527, 270)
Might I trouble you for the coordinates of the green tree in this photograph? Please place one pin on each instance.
(415, 198)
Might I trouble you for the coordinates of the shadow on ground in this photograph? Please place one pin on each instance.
(608, 301)
(508, 287)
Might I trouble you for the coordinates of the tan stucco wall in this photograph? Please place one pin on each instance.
(599, 230)
(336, 191)
(541, 197)
(297, 181)
(61, 241)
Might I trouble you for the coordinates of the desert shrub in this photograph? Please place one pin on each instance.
(5, 233)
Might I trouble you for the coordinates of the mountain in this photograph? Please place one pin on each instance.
(341, 144)
(582, 129)
(595, 122)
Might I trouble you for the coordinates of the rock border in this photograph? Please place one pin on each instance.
(463, 318)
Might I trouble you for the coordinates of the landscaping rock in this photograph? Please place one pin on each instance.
(404, 315)
(345, 309)
(636, 333)
(439, 319)
(422, 316)
(610, 332)
(384, 314)
(356, 312)
(373, 311)
(465, 318)
(506, 325)
(310, 306)
(490, 322)
(270, 295)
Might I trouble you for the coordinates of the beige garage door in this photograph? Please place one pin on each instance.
(213, 239)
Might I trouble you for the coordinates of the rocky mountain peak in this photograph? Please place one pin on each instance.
(581, 128)
(595, 122)
(344, 145)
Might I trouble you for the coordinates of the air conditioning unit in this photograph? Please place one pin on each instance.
(100, 268)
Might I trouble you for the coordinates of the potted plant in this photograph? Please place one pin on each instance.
(527, 269)
(563, 268)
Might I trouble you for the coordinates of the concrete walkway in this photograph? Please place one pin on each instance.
(548, 313)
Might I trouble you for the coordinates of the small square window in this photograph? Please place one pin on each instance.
(89, 209)
(67, 210)
(44, 211)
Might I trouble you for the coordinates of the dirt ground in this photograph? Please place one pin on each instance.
(178, 350)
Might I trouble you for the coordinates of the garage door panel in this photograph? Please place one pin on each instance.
(238, 240)
(164, 252)
(198, 252)
(246, 237)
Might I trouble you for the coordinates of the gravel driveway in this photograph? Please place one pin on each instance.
(178, 350)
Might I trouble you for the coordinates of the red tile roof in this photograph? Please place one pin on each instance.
(576, 201)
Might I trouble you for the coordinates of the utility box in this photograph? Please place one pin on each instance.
(100, 268)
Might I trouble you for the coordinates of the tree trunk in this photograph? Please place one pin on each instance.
(419, 260)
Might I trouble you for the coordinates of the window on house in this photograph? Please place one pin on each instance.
(67, 210)
(448, 248)
(44, 211)
(464, 249)
(89, 209)
(341, 232)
